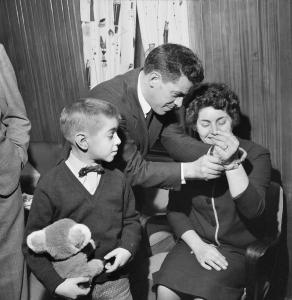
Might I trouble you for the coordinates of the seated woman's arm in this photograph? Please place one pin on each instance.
(249, 182)
(207, 254)
(235, 173)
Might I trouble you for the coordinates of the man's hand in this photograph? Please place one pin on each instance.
(206, 167)
(70, 289)
(120, 255)
(225, 146)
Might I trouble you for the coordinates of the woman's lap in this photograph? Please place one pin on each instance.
(182, 272)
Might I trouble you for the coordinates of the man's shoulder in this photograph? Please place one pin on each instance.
(113, 86)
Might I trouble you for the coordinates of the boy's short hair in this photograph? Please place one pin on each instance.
(83, 114)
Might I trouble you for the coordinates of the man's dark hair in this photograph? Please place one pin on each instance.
(172, 61)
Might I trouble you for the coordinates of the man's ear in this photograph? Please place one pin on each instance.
(81, 141)
(154, 79)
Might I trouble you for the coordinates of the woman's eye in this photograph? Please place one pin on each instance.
(204, 124)
(222, 122)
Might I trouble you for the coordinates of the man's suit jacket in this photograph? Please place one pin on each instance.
(137, 139)
(14, 138)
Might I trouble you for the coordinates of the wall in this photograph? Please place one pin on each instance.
(248, 44)
(43, 40)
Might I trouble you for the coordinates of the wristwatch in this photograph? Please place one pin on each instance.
(241, 156)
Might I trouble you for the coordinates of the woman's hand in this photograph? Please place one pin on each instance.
(207, 254)
(225, 146)
(209, 257)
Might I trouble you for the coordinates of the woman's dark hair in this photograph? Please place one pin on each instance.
(173, 61)
(216, 95)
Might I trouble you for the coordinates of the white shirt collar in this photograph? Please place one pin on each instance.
(75, 164)
(90, 181)
(144, 104)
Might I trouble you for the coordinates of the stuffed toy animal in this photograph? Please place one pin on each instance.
(69, 245)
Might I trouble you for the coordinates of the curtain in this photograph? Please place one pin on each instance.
(163, 21)
(109, 28)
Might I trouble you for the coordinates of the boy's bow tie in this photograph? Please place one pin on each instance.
(97, 168)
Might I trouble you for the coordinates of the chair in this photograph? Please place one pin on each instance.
(42, 156)
(261, 255)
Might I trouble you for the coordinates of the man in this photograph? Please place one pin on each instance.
(155, 92)
(14, 138)
(147, 99)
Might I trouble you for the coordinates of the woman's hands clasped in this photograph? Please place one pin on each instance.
(226, 146)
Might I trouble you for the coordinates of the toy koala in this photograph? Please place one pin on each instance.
(65, 241)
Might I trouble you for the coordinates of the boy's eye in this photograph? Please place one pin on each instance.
(112, 134)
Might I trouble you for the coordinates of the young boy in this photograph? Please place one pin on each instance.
(104, 202)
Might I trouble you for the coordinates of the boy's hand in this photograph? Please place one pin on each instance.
(120, 255)
(70, 289)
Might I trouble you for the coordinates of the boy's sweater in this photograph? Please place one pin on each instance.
(109, 213)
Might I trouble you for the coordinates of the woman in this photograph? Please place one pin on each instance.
(214, 220)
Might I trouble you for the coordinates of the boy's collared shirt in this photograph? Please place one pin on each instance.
(90, 181)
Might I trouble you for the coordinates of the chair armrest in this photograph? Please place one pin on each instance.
(259, 257)
(158, 234)
(258, 249)
(155, 223)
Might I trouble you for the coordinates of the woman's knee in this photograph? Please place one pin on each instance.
(164, 293)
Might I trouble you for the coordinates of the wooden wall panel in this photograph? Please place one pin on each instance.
(248, 45)
(44, 40)
(285, 96)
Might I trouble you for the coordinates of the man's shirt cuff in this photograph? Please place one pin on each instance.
(182, 176)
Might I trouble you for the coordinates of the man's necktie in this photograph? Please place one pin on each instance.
(97, 168)
(149, 117)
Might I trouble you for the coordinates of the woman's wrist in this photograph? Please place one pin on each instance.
(197, 246)
(232, 165)
(236, 160)
(192, 239)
